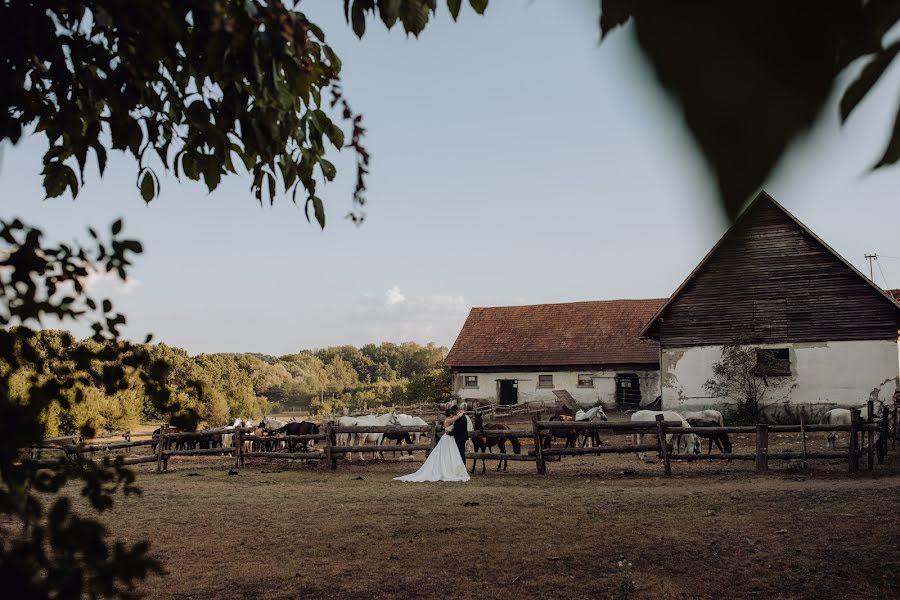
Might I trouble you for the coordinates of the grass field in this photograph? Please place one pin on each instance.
(291, 530)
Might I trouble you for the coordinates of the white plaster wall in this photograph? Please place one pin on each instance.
(604, 388)
(824, 375)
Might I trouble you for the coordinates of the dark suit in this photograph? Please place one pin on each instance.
(460, 433)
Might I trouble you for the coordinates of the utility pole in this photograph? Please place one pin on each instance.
(871, 258)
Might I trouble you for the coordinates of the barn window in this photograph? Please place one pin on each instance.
(585, 380)
(471, 381)
(545, 381)
(773, 361)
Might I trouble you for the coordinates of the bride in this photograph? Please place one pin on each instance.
(444, 463)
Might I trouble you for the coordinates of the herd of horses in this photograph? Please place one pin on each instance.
(484, 437)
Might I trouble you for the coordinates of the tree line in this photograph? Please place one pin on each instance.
(224, 386)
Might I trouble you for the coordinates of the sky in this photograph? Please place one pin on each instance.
(515, 161)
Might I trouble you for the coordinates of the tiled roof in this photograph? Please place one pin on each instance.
(575, 333)
(894, 293)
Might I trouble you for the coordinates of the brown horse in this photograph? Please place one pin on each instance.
(485, 437)
(570, 435)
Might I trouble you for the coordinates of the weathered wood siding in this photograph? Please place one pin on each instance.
(770, 281)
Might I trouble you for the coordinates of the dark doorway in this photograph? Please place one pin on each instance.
(628, 389)
(509, 391)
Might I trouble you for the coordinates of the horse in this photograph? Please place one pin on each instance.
(706, 415)
(841, 416)
(270, 424)
(168, 444)
(299, 428)
(360, 439)
(643, 416)
(485, 440)
(722, 441)
(409, 438)
(570, 435)
(594, 415)
(228, 438)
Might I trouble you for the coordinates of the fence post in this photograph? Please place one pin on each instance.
(538, 450)
(853, 459)
(883, 435)
(894, 437)
(160, 442)
(329, 448)
(870, 438)
(762, 448)
(238, 443)
(433, 438)
(663, 446)
(802, 435)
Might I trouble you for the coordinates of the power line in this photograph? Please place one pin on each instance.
(887, 286)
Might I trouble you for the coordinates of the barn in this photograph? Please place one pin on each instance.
(824, 335)
(518, 354)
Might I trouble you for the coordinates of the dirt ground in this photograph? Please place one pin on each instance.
(283, 529)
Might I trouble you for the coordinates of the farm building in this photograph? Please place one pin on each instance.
(822, 332)
(516, 354)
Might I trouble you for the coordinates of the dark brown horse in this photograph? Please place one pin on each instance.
(570, 435)
(485, 437)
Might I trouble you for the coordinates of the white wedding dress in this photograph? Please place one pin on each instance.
(443, 464)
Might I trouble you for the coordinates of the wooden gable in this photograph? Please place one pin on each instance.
(771, 280)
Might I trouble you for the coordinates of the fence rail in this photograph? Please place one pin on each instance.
(541, 453)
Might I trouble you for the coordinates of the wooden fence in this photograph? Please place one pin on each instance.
(160, 446)
(857, 429)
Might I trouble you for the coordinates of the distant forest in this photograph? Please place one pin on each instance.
(222, 387)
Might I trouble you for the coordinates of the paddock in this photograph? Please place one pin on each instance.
(282, 529)
(284, 526)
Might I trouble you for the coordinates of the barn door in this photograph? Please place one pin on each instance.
(509, 391)
(628, 389)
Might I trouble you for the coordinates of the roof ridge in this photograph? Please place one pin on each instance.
(610, 301)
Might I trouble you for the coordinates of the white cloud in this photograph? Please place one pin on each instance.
(394, 296)
(399, 317)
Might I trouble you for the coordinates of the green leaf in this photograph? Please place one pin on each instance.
(319, 208)
(116, 227)
(146, 186)
(55, 181)
(71, 179)
(454, 6)
(101, 157)
(479, 6)
(867, 79)
(613, 13)
(389, 11)
(358, 19)
(414, 16)
(328, 169)
(198, 112)
(892, 151)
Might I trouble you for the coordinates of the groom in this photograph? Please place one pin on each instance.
(460, 431)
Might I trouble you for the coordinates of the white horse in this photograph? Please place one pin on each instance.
(841, 416)
(361, 439)
(228, 438)
(591, 414)
(644, 416)
(409, 421)
(706, 415)
(270, 424)
(343, 439)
